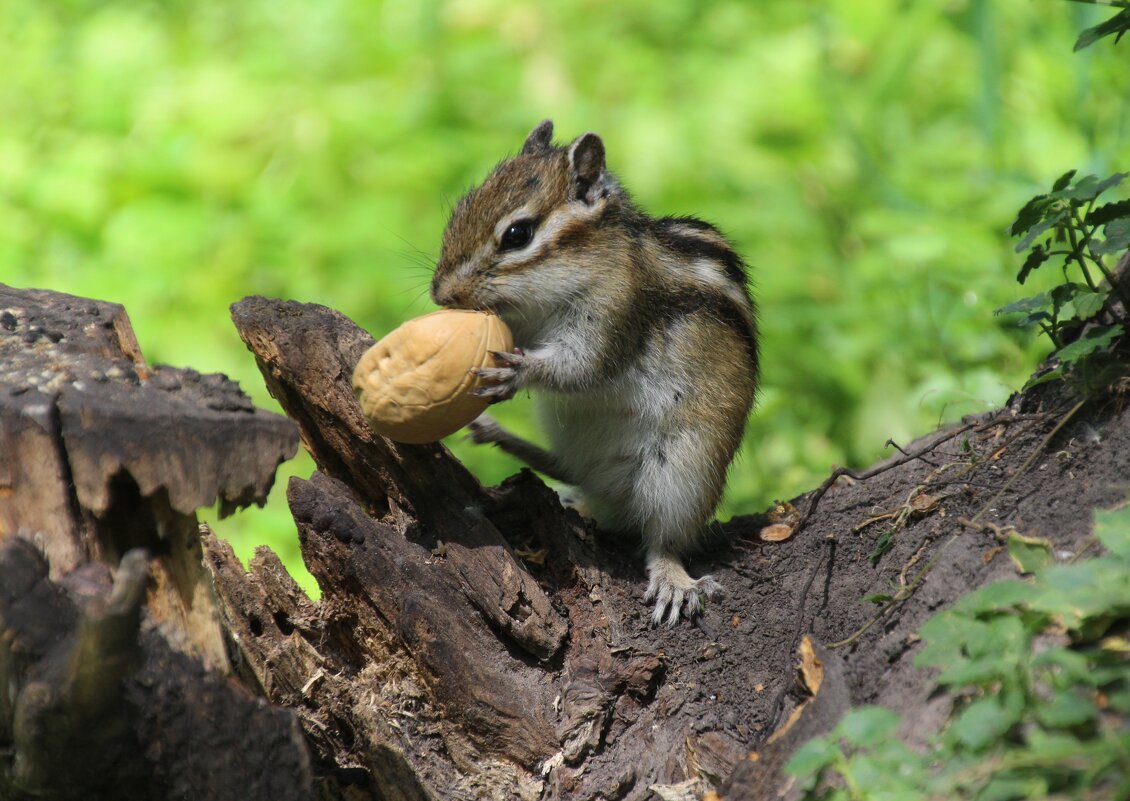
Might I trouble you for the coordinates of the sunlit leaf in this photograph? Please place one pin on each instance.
(813, 756)
(999, 595)
(868, 726)
(982, 723)
(1029, 554)
(1112, 527)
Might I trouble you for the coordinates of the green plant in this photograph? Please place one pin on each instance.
(1039, 674)
(1116, 26)
(1085, 320)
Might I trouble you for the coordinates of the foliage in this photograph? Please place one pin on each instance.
(1084, 320)
(1116, 26)
(1040, 678)
(864, 155)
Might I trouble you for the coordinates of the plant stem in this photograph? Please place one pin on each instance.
(1051, 335)
(1115, 287)
(1076, 225)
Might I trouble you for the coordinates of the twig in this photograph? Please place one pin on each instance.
(871, 472)
(906, 592)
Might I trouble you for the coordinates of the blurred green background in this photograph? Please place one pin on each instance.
(865, 155)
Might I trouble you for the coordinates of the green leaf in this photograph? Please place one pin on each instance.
(982, 723)
(974, 672)
(944, 637)
(1095, 339)
(1008, 637)
(1040, 228)
(1063, 181)
(879, 598)
(1117, 233)
(1032, 212)
(1093, 590)
(1054, 746)
(1009, 787)
(1037, 257)
(1089, 187)
(1033, 319)
(1088, 303)
(1029, 554)
(1062, 294)
(1073, 666)
(1033, 303)
(1112, 527)
(1066, 709)
(813, 757)
(882, 545)
(1000, 595)
(1120, 700)
(868, 726)
(1116, 26)
(1055, 374)
(978, 637)
(1108, 212)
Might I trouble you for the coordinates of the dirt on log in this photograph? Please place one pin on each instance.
(477, 642)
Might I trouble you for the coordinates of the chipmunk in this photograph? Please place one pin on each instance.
(638, 335)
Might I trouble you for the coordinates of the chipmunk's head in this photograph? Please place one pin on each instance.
(517, 241)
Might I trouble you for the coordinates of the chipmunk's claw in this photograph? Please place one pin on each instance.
(499, 383)
(675, 593)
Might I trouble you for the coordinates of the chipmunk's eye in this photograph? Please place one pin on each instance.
(518, 235)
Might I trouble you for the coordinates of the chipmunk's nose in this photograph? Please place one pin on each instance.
(440, 294)
(445, 295)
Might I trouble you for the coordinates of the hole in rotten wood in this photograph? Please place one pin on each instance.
(520, 609)
(345, 730)
(255, 624)
(132, 520)
(357, 776)
(283, 622)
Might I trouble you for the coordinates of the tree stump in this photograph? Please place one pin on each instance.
(111, 641)
(477, 642)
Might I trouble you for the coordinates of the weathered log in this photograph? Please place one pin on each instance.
(308, 365)
(399, 538)
(103, 462)
(103, 708)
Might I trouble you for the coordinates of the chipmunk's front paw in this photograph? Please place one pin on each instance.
(675, 593)
(502, 381)
(485, 430)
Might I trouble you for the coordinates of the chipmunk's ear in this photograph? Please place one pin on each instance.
(586, 168)
(540, 138)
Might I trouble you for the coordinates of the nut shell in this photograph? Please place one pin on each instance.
(414, 384)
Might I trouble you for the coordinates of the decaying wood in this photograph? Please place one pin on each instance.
(103, 463)
(469, 642)
(412, 554)
(308, 364)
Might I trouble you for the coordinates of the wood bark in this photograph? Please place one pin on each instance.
(112, 649)
(477, 642)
